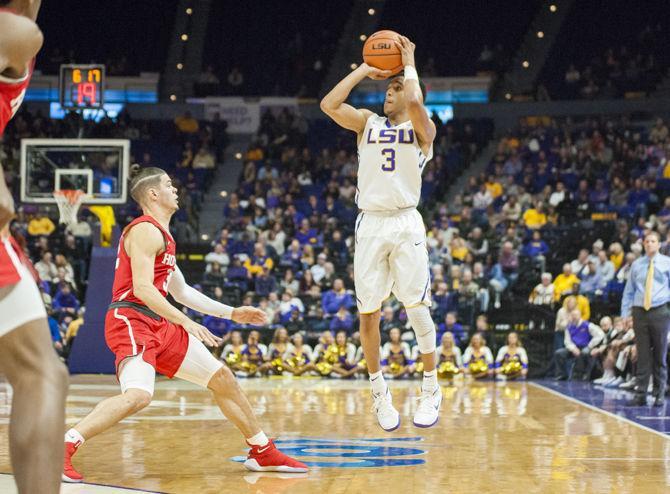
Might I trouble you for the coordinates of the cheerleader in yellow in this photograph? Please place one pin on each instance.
(396, 358)
(274, 358)
(299, 358)
(253, 356)
(449, 358)
(232, 352)
(512, 360)
(325, 354)
(345, 365)
(478, 359)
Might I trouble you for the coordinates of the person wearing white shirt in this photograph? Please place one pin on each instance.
(217, 255)
(319, 269)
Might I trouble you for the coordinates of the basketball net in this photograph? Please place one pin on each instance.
(69, 202)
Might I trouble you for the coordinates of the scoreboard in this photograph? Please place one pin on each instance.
(82, 86)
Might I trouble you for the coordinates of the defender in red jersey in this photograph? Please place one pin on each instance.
(148, 334)
(26, 353)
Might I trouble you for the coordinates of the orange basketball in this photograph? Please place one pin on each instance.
(380, 51)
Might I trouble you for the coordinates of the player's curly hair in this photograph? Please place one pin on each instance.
(142, 179)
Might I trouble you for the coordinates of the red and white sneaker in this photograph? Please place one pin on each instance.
(269, 459)
(69, 473)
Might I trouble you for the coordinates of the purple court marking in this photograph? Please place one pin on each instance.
(613, 401)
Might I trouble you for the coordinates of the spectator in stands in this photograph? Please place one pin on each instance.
(536, 249)
(505, 272)
(580, 338)
(65, 302)
(46, 268)
(542, 301)
(559, 195)
(237, 275)
(318, 271)
(579, 266)
(203, 159)
(342, 321)
(40, 225)
(469, 302)
(265, 283)
(337, 297)
(259, 260)
(591, 283)
(289, 282)
(214, 277)
(289, 303)
(482, 199)
(219, 256)
(451, 325)
(186, 124)
(477, 244)
(564, 284)
(535, 217)
(292, 256)
(388, 321)
(605, 267)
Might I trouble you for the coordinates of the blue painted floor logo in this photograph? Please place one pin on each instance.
(351, 453)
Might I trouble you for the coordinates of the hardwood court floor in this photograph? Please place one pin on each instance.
(492, 437)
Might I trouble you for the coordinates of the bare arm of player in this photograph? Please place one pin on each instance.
(192, 298)
(333, 104)
(20, 40)
(142, 244)
(423, 125)
(6, 204)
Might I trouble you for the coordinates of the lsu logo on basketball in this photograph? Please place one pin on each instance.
(169, 260)
(381, 46)
(390, 136)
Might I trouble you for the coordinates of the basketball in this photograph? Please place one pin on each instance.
(380, 51)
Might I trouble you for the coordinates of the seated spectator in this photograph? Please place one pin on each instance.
(511, 210)
(342, 321)
(564, 283)
(579, 266)
(617, 339)
(337, 297)
(537, 250)
(219, 256)
(559, 195)
(307, 235)
(289, 282)
(505, 272)
(307, 282)
(258, 261)
(581, 337)
(288, 303)
(469, 301)
(591, 285)
(265, 283)
(292, 256)
(388, 320)
(605, 267)
(295, 322)
(450, 325)
(65, 301)
(203, 159)
(237, 275)
(46, 268)
(535, 218)
(214, 277)
(40, 225)
(186, 124)
(318, 271)
(443, 301)
(477, 358)
(478, 244)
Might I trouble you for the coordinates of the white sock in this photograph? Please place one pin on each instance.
(429, 380)
(72, 436)
(259, 439)
(378, 383)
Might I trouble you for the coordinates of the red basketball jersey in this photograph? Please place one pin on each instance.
(11, 257)
(164, 265)
(12, 92)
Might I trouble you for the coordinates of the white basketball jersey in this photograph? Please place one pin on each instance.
(390, 164)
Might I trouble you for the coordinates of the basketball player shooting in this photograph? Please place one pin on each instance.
(390, 237)
(148, 334)
(27, 358)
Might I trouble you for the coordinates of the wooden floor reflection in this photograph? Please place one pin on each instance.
(492, 437)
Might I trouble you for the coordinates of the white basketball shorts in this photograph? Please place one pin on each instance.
(391, 256)
(20, 303)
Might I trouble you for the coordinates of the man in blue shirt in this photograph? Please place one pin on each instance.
(645, 298)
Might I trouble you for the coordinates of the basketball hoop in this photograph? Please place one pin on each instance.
(69, 202)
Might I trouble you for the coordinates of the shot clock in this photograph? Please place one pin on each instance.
(82, 86)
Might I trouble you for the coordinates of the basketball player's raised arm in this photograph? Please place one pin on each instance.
(333, 104)
(192, 298)
(422, 124)
(20, 40)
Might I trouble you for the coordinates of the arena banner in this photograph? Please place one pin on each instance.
(243, 114)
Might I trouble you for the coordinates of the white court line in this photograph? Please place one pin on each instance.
(581, 458)
(596, 409)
